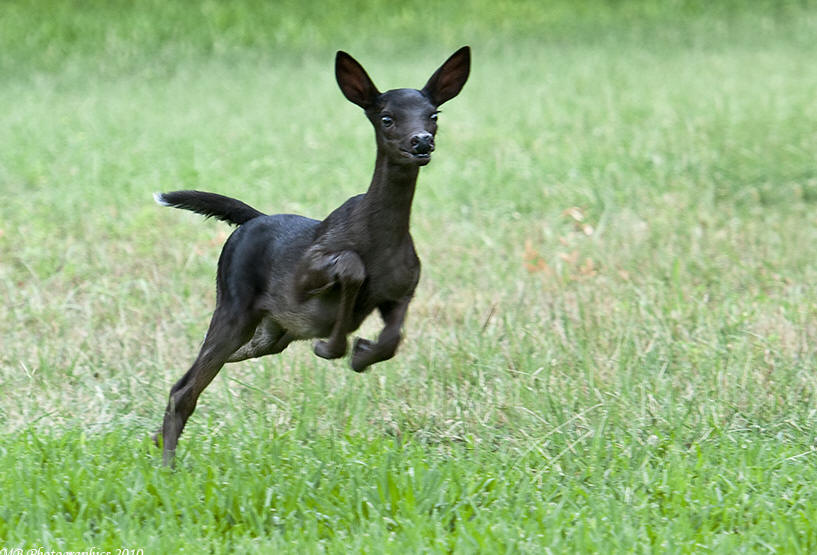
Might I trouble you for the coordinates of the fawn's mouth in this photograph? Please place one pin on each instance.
(421, 158)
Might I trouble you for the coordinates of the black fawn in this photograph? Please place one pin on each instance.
(284, 277)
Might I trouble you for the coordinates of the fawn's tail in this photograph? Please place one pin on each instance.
(210, 205)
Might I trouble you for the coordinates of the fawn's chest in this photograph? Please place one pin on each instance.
(392, 272)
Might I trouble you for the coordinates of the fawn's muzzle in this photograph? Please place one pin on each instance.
(422, 143)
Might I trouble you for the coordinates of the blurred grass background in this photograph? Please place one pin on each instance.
(613, 342)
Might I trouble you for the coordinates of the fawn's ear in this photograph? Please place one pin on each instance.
(448, 80)
(353, 80)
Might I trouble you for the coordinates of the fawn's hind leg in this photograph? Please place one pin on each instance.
(228, 331)
(269, 339)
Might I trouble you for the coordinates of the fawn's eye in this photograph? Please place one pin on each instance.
(387, 121)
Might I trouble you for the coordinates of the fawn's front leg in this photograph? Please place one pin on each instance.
(365, 352)
(323, 271)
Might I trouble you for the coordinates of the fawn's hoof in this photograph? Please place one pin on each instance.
(326, 349)
(361, 352)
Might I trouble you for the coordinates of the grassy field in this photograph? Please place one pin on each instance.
(613, 347)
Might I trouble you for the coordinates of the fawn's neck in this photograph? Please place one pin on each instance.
(388, 200)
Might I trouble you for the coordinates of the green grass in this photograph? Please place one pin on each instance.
(614, 342)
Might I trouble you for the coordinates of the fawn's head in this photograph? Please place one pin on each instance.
(404, 120)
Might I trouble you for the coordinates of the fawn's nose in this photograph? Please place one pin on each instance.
(422, 143)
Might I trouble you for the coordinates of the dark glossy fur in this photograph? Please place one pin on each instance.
(285, 277)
